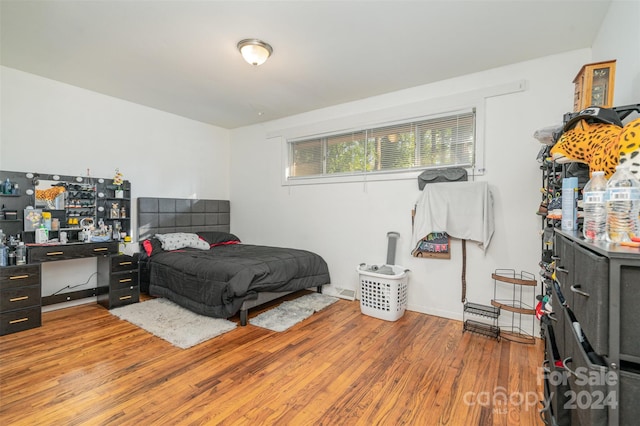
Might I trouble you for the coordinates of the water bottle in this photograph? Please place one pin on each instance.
(4, 255)
(21, 254)
(595, 208)
(569, 220)
(4, 251)
(623, 205)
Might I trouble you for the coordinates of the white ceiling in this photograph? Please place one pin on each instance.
(181, 56)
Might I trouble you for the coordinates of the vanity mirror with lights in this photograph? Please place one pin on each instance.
(46, 218)
(72, 209)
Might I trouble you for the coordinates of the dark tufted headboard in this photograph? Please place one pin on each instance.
(166, 215)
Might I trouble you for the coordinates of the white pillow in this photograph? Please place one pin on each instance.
(200, 244)
(180, 240)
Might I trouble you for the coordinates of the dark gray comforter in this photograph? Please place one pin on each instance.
(216, 282)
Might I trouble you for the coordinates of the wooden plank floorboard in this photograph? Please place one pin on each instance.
(339, 367)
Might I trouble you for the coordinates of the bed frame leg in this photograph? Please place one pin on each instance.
(243, 317)
(319, 289)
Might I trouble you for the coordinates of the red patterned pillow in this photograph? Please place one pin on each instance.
(152, 246)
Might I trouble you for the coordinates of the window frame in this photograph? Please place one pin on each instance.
(344, 122)
(374, 164)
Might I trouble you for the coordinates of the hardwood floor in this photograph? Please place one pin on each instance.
(338, 367)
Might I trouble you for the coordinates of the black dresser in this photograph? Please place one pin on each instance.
(20, 305)
(118, 282)
(593, 337)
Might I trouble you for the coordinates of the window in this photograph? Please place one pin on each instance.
(442, 141)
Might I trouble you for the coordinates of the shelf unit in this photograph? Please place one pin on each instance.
(488, 327)
(83, 197)
(552, 328)
(111, 207)
(606, 272)
(79, 203)
(523, 285)
(13, 202)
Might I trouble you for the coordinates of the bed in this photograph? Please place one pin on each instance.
(189, 256)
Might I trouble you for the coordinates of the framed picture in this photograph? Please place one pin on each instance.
(32, 219)
(435, 245)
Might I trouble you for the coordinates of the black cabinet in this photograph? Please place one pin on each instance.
(598, 328)
(118, 280)
(20, 301)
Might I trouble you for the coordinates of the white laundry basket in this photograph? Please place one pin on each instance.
(383, 295)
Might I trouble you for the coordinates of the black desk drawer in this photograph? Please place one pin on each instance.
(123, 279)
(124, 296)
(18, 276)
(23, 319)
(19, 298)
(71, 251)
(124, 263)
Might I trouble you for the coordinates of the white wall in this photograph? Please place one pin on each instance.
(51, 127)
(619, 38)
(347, 223)
(48, 126)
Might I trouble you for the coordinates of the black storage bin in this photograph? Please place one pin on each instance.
(584, 391)
(591, 297)
(629, 408)
(556, 379)
(629, 310)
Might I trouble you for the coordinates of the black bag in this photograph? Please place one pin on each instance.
(457, 174)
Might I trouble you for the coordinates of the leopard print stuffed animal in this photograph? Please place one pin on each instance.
(601, 146)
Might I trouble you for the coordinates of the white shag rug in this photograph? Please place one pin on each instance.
(173, 323)
(291, 312)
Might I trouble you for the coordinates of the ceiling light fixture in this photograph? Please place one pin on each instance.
(254, 51)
